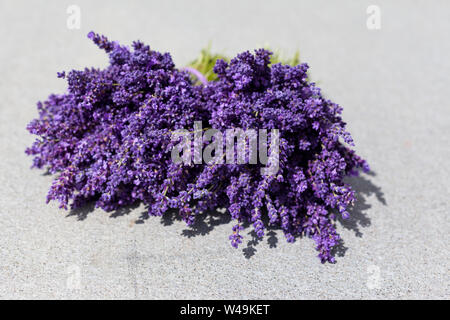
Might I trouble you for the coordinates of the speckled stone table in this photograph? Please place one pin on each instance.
(393, 84)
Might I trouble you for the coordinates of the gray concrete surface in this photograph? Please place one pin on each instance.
(393, 84)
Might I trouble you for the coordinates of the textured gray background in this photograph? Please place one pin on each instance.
(393, 84)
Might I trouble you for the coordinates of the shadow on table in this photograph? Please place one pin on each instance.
(83, 212)
(206, 222)
(363, 188)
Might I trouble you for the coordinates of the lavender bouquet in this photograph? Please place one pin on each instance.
(110, 140)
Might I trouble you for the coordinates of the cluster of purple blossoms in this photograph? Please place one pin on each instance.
(314, 154)
(108, 140)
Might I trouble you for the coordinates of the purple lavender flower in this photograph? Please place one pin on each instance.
(108, 140)
(309, 187)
